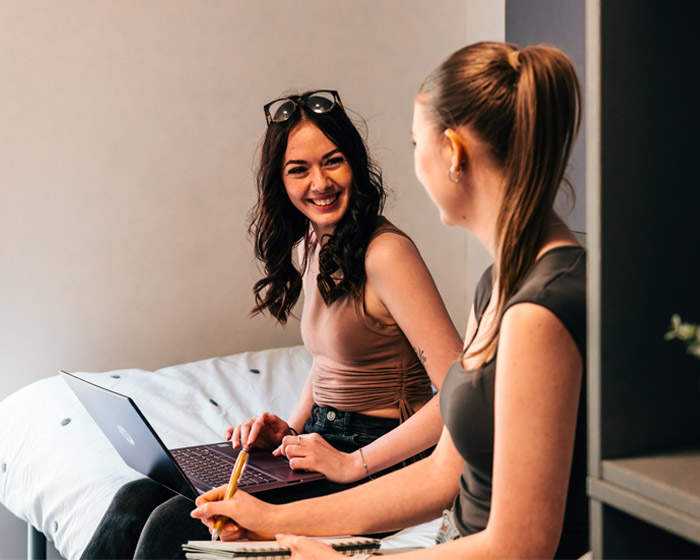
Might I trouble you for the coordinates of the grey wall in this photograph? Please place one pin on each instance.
(643, 202)
(561, 23)
(127, 134)
(647, 224)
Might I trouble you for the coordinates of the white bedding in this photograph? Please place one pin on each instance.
(59, 473)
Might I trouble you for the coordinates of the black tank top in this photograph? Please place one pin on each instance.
(556, 281)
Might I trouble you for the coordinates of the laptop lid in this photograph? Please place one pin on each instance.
(139, 446)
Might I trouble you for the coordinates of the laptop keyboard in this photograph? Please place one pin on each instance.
(213, 469)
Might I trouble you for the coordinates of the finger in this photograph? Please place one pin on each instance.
(236, 437)
(208, 511)
(255, 429)
(293, 450)
(283, 446)
(290, 541)
(303, 547)
(288, 441)
(213, 495)
(228, 433)
(244, 436)
(297, 446)
(198, 513)
(302, 464)
(231, 532)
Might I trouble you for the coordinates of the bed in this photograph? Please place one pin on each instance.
(58, 472)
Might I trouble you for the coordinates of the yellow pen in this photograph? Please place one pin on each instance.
(236, 474)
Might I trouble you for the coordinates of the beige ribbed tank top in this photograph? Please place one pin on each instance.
(358, 363)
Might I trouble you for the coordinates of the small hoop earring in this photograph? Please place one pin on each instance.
(455, 178)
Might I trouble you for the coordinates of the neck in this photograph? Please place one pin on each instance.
(481, 210)
(556, 234)
(322, 234)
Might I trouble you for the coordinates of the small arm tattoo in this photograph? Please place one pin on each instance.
(421, 355)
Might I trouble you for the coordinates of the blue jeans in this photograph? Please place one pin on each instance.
(347, 431)
(146, 520)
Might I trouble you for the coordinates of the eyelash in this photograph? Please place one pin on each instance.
(333, 161)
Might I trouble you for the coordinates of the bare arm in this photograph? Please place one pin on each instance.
(400, 289)
(538, 382)
(368, 508)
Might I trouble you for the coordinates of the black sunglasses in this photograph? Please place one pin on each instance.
(320, 101)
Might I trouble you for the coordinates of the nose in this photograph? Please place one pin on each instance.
(320, 181)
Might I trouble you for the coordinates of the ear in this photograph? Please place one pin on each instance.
(457, 149)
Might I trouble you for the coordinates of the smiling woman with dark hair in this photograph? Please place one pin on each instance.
(368, 319)
(278, 228)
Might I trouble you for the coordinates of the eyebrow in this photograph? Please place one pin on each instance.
(303, 162)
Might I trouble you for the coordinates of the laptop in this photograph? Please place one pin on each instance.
(189, 471)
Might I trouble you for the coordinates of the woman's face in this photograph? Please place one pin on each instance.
(317, 177)
(431, 163)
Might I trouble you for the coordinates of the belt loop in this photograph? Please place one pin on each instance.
(314, 408)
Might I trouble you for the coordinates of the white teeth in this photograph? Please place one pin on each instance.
(326, 201)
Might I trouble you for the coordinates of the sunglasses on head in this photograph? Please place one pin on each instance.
(320, 101)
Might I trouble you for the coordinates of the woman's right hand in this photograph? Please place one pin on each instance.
(242, 511)
(265, 431)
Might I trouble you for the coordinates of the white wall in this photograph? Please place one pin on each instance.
(127, 133)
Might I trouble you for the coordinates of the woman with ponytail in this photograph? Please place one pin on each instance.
(493, 129)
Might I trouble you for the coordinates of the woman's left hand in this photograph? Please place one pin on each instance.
(313, 453)
(304, 548)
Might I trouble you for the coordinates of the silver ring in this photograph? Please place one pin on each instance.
(299, 441)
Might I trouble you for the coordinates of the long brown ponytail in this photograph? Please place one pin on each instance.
(526, 105)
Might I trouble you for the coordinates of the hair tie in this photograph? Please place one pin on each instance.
(514, 60)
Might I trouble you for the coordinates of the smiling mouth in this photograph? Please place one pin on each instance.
(323, 202)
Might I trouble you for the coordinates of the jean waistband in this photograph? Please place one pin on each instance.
(332, 416)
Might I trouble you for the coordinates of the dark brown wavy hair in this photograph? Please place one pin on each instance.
(277, 226)
(526, 105)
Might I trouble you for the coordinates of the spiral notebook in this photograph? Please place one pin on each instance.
(207, 550)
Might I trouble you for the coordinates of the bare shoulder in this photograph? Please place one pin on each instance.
(391, 248)
(532, 333)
